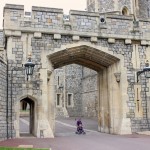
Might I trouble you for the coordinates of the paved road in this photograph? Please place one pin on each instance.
(66, 139)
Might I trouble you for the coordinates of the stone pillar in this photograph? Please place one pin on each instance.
(114, 98)
(43, 109)
(51, 100)
(16, 121)
(125, 124)
(103, 116)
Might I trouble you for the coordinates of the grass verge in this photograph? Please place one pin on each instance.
(13, 148)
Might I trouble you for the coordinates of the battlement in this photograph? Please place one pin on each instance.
(13, 6)
(80, 23)
(46, 9)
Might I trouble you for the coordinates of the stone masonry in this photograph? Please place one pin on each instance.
(143, 8)
(139, 8)
(89, 93)
(113, 46)
(3, 89)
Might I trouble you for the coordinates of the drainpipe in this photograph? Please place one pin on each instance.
(5, 48)
(11, 104)
(7, 102)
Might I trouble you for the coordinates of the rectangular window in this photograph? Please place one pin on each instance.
(70, 100)
(58, 80)
(58, 100)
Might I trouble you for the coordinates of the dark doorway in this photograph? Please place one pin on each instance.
(26, 117)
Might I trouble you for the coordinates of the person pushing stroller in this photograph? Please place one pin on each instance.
(79, 127)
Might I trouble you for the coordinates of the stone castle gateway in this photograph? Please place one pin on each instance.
(114, 42)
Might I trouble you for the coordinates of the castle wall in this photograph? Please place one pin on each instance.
(47, 32)
(103, 6)
(106, 5)
(1, 38)
(60, 88)
(3, 90)
(143, 9)
(70, 80)
(51, 21)
(73, 76)
(3, 99)
(126, 3)
(89, 93)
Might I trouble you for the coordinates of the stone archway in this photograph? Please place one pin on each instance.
(111, 82)
(32, 115)
(113, 51)
(29, 113)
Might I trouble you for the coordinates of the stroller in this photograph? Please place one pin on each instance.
(80, 128)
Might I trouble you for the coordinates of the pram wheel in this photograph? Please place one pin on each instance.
(79, 132)
(83, 132)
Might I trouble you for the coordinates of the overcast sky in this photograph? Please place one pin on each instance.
(66, 5)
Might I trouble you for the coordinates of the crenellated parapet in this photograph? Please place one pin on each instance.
(78, 23)
(114, 44)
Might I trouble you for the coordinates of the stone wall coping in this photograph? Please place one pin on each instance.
(83, 13)
(120, 17)
(110, 12)
(75, 33)
(144, 19)
(13, 6)
(47, 9)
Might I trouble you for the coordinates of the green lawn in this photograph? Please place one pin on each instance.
(10, 148)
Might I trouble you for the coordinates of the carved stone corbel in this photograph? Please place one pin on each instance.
(118, 76)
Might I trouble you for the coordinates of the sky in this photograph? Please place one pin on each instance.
(66, 5)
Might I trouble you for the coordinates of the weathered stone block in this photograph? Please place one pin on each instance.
(57, 36)
(7, 32)
(128, 41)
(16, 33)
(25, 146)
(93, 39)
(111, 40)
(37, 34)
(144, 42)
(76, 38)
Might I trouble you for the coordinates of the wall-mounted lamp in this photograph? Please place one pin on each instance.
(146, 71)
(29, 66)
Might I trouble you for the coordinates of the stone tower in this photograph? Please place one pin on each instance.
(142, 8)
(120, 6)
(138, 8)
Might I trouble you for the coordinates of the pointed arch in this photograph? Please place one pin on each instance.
(32, 101)
(88, 55)
(125, 11)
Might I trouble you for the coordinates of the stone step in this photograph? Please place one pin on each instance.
(25, 146)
